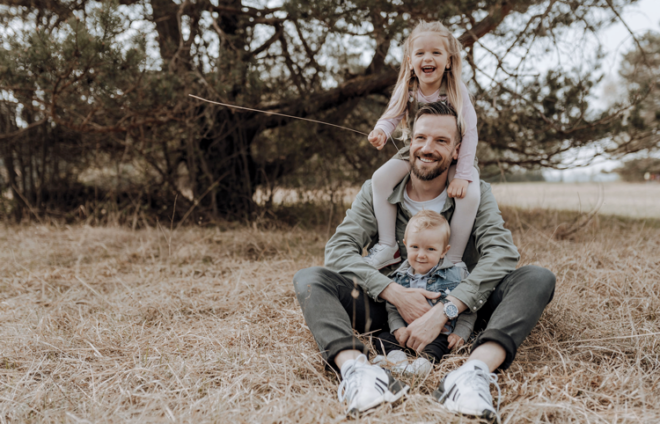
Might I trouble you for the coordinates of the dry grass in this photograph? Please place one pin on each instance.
(201, 325)
(637, 200)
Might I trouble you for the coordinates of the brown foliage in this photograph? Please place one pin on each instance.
(202, 325)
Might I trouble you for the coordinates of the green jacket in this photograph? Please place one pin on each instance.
(490, 254)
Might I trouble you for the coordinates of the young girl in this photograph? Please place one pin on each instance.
(430, 71)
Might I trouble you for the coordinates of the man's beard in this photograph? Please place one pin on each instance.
(429, 174)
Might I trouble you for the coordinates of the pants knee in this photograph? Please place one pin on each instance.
(544, 281)
(304, 279)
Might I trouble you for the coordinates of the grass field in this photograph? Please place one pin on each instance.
(624, 199)
(202, 325)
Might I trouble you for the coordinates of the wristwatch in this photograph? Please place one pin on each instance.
(451, 310)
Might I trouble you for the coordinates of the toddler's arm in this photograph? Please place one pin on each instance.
(389, 125)
(468, 148)
(455, 341)
(394, 319)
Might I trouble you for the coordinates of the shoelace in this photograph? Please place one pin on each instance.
(350, 384)
(490, 379)
(471, 379)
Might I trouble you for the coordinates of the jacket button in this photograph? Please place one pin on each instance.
(481, 301)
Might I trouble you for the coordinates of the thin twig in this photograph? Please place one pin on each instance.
(277, 114)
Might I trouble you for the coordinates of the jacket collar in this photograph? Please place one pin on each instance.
(405, 267)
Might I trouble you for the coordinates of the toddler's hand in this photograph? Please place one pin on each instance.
(400, 336)
(458, 188)
(455, 341)
(377, 138)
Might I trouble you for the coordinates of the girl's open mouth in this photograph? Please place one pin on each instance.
(428, 69)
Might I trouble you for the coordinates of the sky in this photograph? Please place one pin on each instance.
(641, 17)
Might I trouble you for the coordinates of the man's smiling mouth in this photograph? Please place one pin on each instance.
(426, 159)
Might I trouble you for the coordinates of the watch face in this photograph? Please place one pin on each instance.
(451, 310)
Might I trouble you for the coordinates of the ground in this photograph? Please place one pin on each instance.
(626, 199)
(201, 325)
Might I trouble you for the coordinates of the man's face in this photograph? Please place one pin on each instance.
(432, 147)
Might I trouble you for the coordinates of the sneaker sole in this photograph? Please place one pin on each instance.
(486, 414)
(388, 263)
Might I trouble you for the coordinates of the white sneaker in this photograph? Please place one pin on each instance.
(467, 391)
(379, 360)
(398, 359)
(381, 256)
(419, 368)
(365, 386)
(395, 357)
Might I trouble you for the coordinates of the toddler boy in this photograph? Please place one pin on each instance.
(426, 240)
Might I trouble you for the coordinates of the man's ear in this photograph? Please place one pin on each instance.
(456, 150)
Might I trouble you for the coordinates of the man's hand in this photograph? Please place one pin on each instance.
(425, 329)
(457, 188)
(411, 303)
(377, 138)
(455, 341)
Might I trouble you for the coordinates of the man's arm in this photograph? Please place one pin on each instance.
(498, 255)
(343, 252)
(465, 325)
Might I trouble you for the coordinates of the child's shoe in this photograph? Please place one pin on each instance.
(381, 255)
(419, 368)
(399, 361)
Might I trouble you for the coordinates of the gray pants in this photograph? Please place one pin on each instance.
(333, 306)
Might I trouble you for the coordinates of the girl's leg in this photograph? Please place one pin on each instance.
(383, 183)
(463, 218)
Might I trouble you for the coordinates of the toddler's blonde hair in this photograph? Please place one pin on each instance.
(408, 81)
(426, 219)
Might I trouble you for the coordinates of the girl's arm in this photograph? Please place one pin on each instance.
(468, 148)
(389, 125)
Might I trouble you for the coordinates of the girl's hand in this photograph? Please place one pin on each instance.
(377, 138)
(458, 188)
(455, 341)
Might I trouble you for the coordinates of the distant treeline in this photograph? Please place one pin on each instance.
(96, 122)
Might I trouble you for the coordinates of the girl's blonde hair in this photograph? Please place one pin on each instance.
(408, 81)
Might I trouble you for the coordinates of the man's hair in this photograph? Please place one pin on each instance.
(441, 108)
(426, 219)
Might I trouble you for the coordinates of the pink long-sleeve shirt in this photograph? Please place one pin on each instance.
(470, 136)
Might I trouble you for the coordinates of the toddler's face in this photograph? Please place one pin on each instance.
(425, 248)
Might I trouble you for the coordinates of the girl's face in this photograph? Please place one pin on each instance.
(429, 59)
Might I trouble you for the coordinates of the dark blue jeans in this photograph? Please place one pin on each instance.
(332, 312)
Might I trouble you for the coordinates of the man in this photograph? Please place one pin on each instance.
(349, 294)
